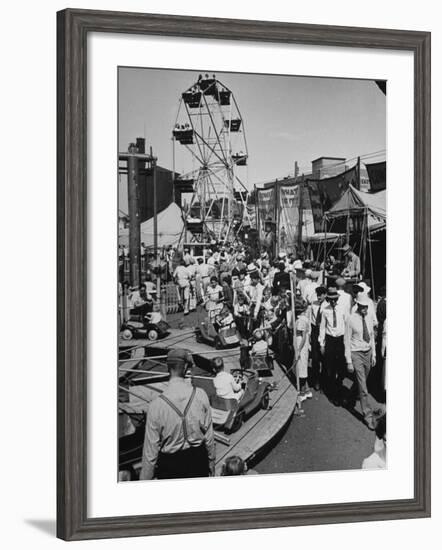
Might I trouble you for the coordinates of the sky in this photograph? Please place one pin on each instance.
(286, 118)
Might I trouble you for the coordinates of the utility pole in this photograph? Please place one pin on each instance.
(134, 157)
(300, 210)
(155, 229)
(155, 204)
(134, 215)
(173, 170)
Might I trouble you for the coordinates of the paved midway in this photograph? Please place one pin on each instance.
(322, 438)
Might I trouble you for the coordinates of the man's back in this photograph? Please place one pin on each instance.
(181, 273)
(168, 432)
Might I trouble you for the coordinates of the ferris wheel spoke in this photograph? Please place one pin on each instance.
(214, 128)
(193, 128)
(209, 147)
(192, 152)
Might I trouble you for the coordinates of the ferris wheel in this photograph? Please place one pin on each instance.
(213, 194)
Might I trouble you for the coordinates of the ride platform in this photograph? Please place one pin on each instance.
(148, 359)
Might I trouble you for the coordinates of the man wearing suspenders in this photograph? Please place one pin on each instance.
(179, 440)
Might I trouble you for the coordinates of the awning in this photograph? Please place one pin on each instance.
(355, 202)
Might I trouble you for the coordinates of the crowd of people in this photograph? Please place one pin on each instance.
(317, 319)
(317, 313)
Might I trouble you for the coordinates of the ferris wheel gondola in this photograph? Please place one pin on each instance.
(210, 127)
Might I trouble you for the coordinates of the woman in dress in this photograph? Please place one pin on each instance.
(302, 327)
(214, 297)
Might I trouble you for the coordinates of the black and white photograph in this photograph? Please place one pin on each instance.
(252, 293)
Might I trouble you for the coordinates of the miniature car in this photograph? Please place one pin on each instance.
(150, 326)
(224, 337)
(229, 414)
(262, 364)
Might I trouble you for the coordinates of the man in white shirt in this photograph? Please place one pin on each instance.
(191, 268)
(331, 341)
(210, 258)
(362, 289)
(254, 292)
(187, 257)
(345, 300)
(308, 291)
(203, 275)
(353, 263)
(360, 352)
(181, 277)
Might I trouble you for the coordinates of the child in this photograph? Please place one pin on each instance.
(266, 298)
(225, 385)
(269, 322)
(241, 311)
(235, 466)
(225, 318)
(260, 347)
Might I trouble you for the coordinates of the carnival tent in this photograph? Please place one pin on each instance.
(170, 228)
(355, 202)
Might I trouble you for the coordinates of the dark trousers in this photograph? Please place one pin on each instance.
(316, 356)
(242, 323)
(191, 462)
(334, 366)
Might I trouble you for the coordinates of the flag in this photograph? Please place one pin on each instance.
(377, 174)
(326, 192)
(288, 217)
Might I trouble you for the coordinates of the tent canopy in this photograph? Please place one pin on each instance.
(170, 228)
(355, 202)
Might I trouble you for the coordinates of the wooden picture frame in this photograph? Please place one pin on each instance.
(73, 27)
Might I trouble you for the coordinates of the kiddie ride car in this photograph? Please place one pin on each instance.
(209, 332)
(262, 364)
(150, 326)
(228, 415)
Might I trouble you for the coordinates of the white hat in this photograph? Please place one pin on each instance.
(315, 275)
(251, 268)
(365, 287)
(363, 300)
(308, 272)
(282, 255)
(297, 264)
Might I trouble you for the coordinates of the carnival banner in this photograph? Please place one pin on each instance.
(377, 174)
(288, 217)
(266, 213)
(326, 192)
(266, 206)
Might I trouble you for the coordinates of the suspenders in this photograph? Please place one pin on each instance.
(182, 415)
